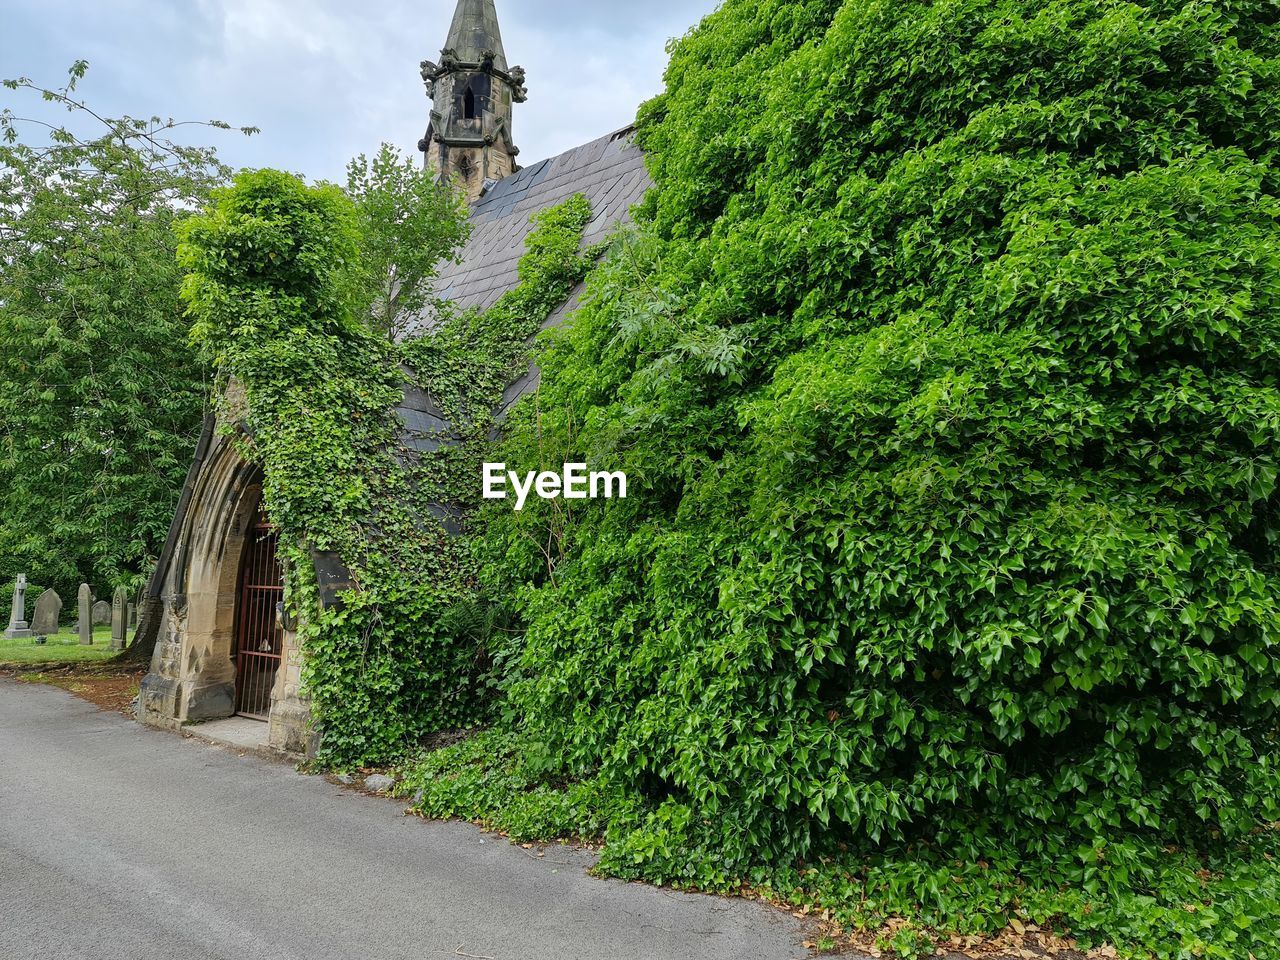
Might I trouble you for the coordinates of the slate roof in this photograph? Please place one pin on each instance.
(423, 424)
(609, 171)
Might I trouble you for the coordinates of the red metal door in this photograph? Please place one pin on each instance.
(259, 639)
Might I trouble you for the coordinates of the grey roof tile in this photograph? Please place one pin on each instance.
(611, 173)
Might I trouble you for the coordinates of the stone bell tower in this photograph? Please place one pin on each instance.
(472, 92)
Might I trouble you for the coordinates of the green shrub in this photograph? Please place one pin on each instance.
(944, 364)
(1145, 897)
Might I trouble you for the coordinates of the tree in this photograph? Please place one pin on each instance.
(410, 223)
(101, 397)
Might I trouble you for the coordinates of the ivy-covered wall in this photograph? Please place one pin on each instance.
(279, 309)
(945, 366)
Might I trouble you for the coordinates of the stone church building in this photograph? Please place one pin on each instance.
(214, 604)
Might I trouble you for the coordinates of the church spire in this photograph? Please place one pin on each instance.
(475, 31)
(473, 92)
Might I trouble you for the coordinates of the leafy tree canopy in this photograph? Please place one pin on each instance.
(100, 396)
(411, 223)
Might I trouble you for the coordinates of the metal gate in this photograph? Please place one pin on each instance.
(259, 639)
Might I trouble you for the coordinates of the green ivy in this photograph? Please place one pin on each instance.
(282, 307)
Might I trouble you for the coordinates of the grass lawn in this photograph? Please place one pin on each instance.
(64, 647)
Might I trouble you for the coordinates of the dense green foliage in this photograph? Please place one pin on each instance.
(279, 286)
(947, 366)
(271, 286)
(1142, 895)
(280, 302)
(411, 652)
(944, 365)
(100, 400)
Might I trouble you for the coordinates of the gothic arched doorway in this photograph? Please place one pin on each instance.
(221, 648)
(259, 636)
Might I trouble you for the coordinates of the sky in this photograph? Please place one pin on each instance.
(329, 79)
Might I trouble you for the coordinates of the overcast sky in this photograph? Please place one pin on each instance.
(327, 79)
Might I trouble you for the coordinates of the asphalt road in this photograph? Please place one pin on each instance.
(118, 841)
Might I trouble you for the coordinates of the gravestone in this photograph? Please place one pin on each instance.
(101, 613)
(18, 612)
(119, 615)
(48, 614)
(84, 611)
(133, 616)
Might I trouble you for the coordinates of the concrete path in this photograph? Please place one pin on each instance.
(117, 841)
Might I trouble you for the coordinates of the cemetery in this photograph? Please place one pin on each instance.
(92, 631)
(847, 483)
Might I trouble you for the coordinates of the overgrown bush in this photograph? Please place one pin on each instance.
(944, 364)
(1145, 897)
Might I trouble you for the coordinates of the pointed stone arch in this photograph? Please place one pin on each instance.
(193, 671)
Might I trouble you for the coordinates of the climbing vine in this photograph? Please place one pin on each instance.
(310, 392)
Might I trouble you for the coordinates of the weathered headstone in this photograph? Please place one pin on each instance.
(48, 614)
(18, 612)
(101, 613)
(133, 616)
(84, 611)
(119, 615)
